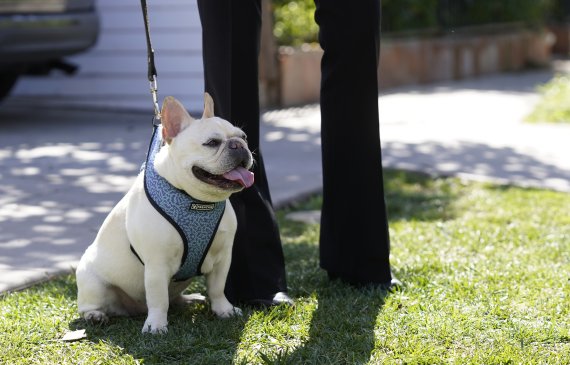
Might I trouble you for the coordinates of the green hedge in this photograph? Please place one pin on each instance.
(408, 15)
(560, 11)
(294, 19)
(456, 13)
(294, 22)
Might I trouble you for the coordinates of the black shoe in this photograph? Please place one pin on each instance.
(393, 285)
(278, 299)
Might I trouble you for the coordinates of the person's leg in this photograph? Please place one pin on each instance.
(231, 47)
(354, 241)
(216, 20)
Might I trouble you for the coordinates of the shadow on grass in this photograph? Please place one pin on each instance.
(419, 196)
(341, 330)
(409, 196)
(342, 327)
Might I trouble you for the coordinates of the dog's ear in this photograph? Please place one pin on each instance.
(174, 118)
(208, 106)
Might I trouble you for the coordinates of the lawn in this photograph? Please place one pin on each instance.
(554, 103)
(486, 281)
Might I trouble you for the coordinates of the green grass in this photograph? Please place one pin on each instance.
(486, 271)
(554, 103)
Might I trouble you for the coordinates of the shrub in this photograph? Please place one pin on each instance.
(406, 15)
(294, 22)
(456, 13)
(560, 10)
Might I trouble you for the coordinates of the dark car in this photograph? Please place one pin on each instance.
(35, 36)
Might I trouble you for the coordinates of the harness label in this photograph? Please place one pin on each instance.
(202, 207)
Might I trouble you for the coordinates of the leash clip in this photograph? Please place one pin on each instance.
(154, 93)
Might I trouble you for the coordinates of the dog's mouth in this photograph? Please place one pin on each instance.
(235, 179)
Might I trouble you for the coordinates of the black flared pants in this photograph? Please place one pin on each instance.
(354, 238)
(230, 36)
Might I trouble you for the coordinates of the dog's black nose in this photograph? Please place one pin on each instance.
(239, 152)
(234, 144)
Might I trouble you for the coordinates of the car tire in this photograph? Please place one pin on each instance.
(7, 82)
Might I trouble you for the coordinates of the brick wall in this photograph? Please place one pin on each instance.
(409, 61)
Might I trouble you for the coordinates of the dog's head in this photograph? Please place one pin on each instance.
(210, 157)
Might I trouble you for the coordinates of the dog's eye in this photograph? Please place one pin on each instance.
(214, 142)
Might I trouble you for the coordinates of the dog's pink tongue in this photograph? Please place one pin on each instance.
(241, 175)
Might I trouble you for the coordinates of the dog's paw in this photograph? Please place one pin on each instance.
(96, 317)
(155, 328)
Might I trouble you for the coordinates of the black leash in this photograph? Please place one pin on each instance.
(152, 74)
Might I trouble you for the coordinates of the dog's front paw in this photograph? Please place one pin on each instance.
(154, 328)
(96, 317)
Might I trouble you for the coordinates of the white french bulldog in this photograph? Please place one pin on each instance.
(209, 160)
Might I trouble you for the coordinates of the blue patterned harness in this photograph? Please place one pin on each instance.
(196, 221)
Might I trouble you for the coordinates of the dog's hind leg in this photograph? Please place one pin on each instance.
(95, 300)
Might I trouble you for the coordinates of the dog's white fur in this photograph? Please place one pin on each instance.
(111, 280)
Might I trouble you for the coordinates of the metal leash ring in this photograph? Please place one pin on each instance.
(154, 92)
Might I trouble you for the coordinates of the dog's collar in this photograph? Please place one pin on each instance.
(196, 221)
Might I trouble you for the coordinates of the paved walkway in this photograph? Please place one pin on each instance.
(63, 169)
